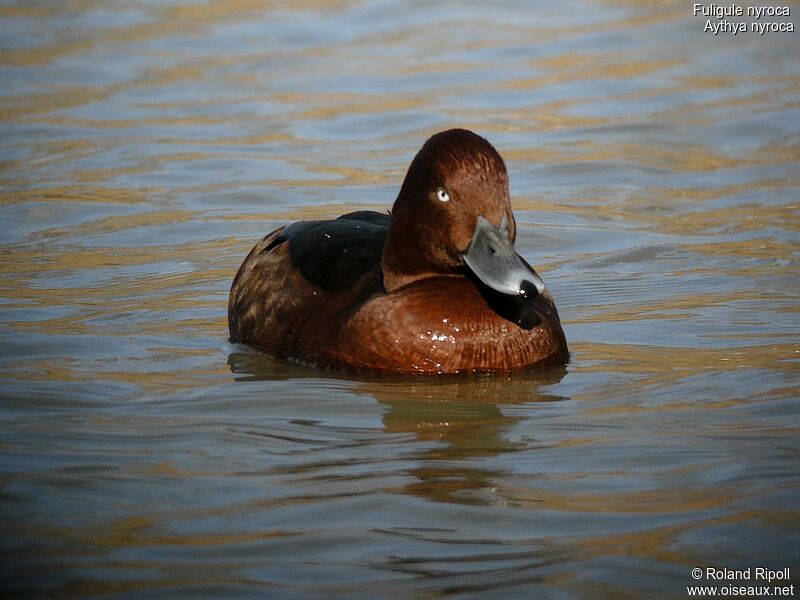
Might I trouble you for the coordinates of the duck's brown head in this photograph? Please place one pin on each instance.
(454, 212)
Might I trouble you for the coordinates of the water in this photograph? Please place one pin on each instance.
(654, 172)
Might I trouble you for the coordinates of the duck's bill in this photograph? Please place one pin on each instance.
(493, 260)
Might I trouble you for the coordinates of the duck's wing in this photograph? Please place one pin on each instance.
(301, 272)
(335, 254)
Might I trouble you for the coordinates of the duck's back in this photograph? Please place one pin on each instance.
(301, 278)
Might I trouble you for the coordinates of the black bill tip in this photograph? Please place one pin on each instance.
(527, 289)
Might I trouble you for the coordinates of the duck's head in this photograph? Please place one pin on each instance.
(454, 213)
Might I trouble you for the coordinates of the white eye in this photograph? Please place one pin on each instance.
(442, 195)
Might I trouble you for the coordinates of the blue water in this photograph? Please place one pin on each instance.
(654, 173)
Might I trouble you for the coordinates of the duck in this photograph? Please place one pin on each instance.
(434, 286)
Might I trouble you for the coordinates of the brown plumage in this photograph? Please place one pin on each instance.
(434, 288)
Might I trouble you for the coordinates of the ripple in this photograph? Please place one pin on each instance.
(653, 173)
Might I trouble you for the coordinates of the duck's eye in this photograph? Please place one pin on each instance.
(442, 195)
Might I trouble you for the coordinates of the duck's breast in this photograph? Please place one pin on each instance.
(444, 324)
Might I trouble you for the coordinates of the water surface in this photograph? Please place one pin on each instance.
(145, 147)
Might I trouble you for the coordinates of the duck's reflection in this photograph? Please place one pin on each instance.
(460, 420)
(464, 420)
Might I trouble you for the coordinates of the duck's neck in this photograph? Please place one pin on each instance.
(399, 267)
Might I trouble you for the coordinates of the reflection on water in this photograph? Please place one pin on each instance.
(451, 418)
(654, 174)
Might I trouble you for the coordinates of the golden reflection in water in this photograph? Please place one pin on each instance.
(649, 211)
(170, 20)
(303, 213)
(678, 307)
(664, 366)
(75, 193)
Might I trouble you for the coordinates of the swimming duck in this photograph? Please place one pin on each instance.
(435, 286)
